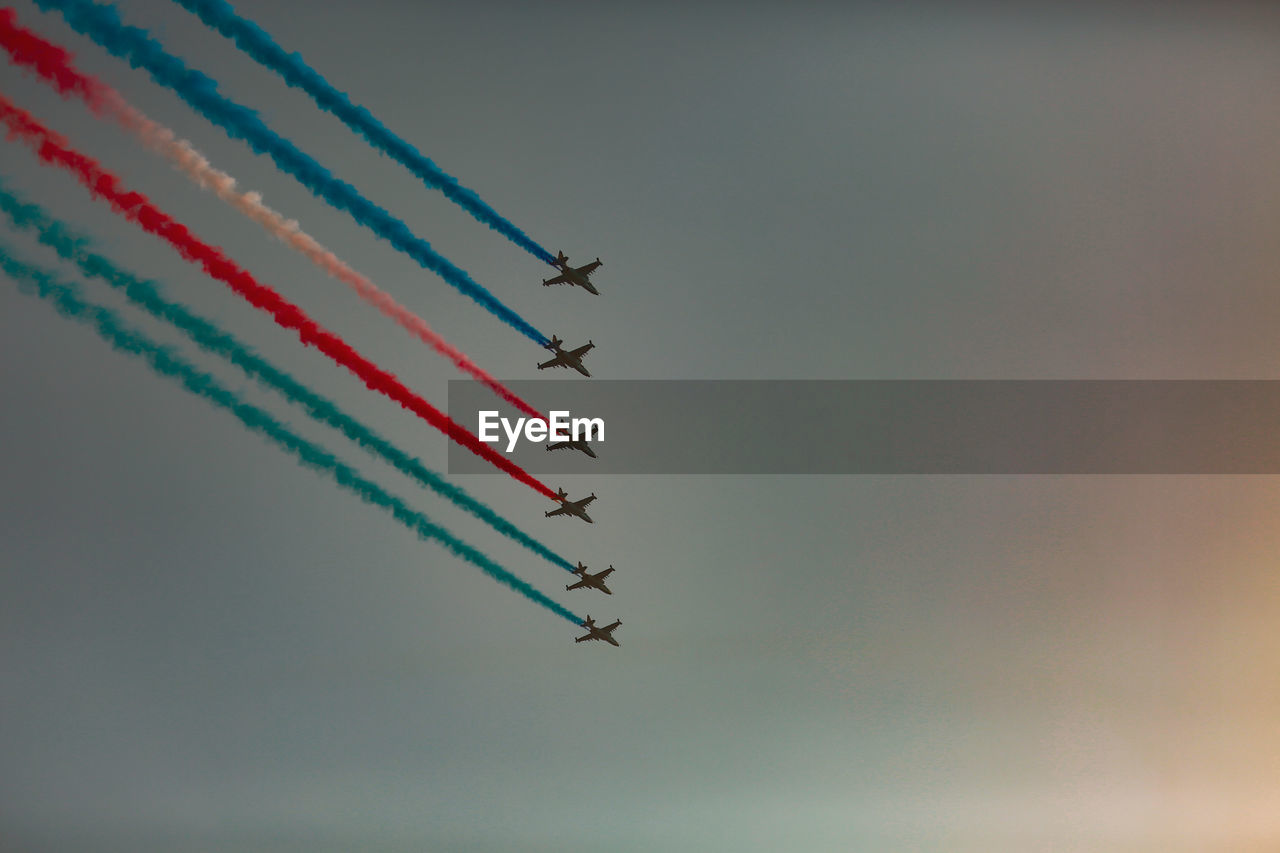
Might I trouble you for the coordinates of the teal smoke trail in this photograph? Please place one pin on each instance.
(66, 300)
(258, 44)
(146, 295)
(101, 23)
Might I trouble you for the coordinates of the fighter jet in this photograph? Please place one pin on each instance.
(567, 358)
(595, 632)
(579, 276)
(573, 444)
(588, 579)
(568, 507)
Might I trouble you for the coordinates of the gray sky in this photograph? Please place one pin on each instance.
(205, 646)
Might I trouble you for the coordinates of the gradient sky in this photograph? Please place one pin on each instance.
(204, 646)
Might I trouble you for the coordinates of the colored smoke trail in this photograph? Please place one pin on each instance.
(259, 45)
(107, 324)
(101, 23)
(53, 65)
(134, 206)
(146, 295)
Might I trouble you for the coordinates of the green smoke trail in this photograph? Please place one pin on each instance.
(146, 295)
(66, 300)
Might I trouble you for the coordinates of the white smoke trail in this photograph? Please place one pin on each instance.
(183, 155)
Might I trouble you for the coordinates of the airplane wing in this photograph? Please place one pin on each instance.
(578, 585)
(558, 361)
(582, 350)
(560, 279)
(583, 503)
(559, 445)
(582, 639)
(605, 573)
(588, 269)
(555, 512)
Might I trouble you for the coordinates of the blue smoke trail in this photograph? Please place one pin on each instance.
(66, 300)
(146, 295)
(258, 44)
(101, 23)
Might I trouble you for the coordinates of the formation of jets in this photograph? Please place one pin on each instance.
(575, 277)
(578, 277)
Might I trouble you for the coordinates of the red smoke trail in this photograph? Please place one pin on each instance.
(52, 148)
(49, 61)
(53, 64)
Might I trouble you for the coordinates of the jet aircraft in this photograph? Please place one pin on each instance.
(567, 358)
(568, 507)
(588, 579)
(595, 632)
(580, 276)
(574, 444)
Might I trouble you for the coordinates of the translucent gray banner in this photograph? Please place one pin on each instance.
(895, 426)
